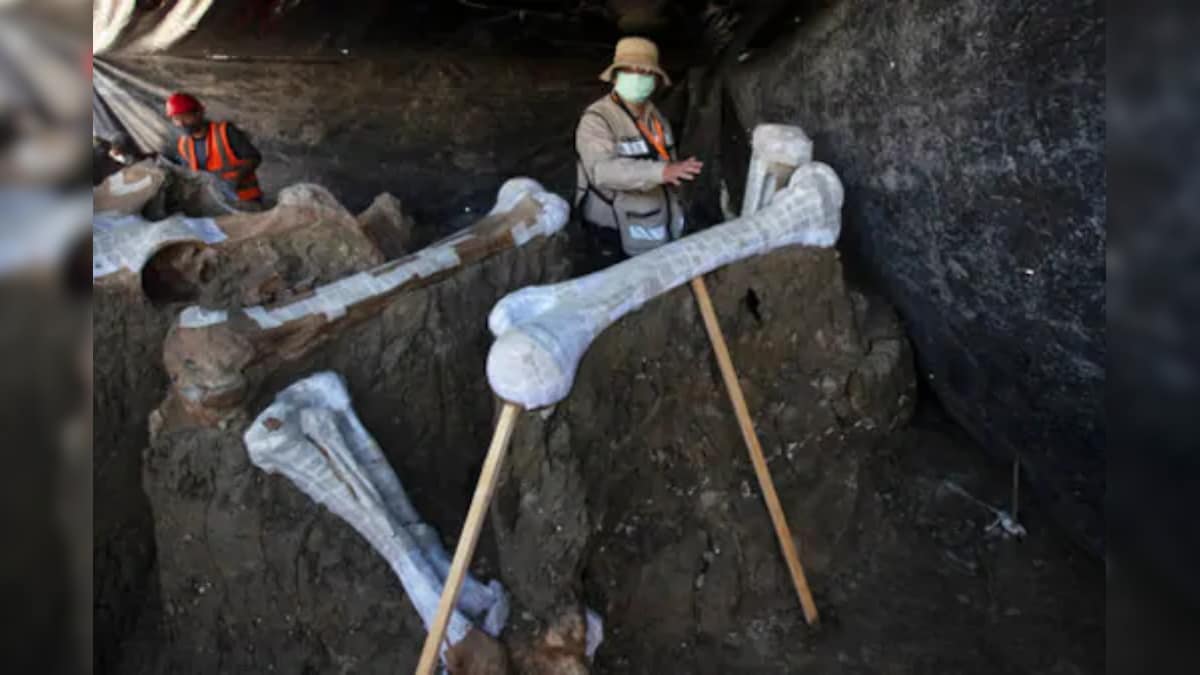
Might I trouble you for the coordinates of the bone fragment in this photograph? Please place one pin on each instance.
(777, 150)
(150, 186)
(543, 331)
(125, 243)
(207, 351)
(311, 435)
(127, 191)
(386, 224)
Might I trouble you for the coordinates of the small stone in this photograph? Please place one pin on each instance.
(829, 386)
(963, 599)
(1012, 611)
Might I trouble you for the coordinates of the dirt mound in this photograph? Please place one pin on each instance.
(635, 495)
(253, 574)
(130, 381)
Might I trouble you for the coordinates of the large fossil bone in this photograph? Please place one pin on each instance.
(155, 189)
(543, 331)
(123, 243)
(207, 351)
(777, 150)
(311, 435)
(129, 190)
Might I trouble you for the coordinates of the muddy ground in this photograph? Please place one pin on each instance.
(922, 588)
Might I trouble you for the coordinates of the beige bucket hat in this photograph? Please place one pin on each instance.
(635, 52)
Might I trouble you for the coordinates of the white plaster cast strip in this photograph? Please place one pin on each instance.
(331, 300)
(128, 242)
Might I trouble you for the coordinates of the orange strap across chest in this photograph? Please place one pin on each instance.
(657, 137)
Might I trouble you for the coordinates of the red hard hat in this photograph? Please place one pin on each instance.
(180, 103)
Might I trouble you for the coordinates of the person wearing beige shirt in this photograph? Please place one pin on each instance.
(628, 171)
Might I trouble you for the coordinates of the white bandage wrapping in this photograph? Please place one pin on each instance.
(777, 150)
(333, 299)
(128, 242)
(311, 435)
(542, 331)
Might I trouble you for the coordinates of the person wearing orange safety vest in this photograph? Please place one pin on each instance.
(628, 171)
(216, 147)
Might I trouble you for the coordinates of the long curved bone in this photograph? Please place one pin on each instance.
(543, 331)
(207, 351)
(311, 435)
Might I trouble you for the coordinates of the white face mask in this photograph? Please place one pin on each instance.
(635, 87)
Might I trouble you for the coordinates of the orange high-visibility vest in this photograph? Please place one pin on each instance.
(221, 160)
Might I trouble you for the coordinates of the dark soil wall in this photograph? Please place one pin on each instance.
(42, 515)
(970, 136)
(129, 380)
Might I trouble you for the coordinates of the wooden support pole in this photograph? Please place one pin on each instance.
(484, 490)
(765, 483)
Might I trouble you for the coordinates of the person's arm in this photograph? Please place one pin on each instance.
(598, 151)
(244, 149)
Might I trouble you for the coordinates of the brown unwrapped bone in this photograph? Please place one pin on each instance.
(252, 263)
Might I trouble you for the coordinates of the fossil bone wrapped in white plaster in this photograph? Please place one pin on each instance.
(543, 331)
(311, 435)
(777, 149)
(128, 242)
(332, 300)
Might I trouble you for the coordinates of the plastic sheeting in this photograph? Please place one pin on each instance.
(133, 26)
(125, 103)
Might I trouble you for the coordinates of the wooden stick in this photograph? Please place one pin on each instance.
(782, 532)
(469, 537)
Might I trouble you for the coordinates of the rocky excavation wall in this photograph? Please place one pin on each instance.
(256, 577)
(970, 138)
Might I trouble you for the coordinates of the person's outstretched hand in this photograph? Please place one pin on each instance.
(677, 172)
